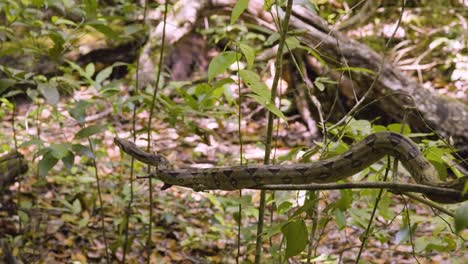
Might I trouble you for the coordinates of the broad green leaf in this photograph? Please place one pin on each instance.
(47, 162)
(255, 84)
(340, 219)
(133, 28)
(5, 84)
(78, 112)
(461, 218)
(295, 233)
(238, 9)
(77, 68)
(59, 151)
(76, 208)
(402, 235)
(272, 39)
(220, 63)
(82, 151)
(249, 54)
(290, 155)
(307, 208)
(284, 207)
(57, 50)
(292, 43)
(345, 201)
(272, 108)
(49, 91)
(106, 30)
(359, 127)
(268, 4)
(89, 70)
(104, 74)
(89, 131)
(91, 7)
(31, 142)
(398, 128)
(215, 201)
(69, 160)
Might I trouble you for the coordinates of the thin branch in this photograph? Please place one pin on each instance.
(278, 69)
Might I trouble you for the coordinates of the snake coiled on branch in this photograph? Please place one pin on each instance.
(358, 157)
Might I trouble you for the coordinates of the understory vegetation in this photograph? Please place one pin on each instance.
(74, 75)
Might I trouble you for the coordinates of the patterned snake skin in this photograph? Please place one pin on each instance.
(357, 158)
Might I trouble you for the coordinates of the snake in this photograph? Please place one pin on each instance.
(358, 157)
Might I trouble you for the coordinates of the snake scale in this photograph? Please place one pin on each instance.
(358, 157)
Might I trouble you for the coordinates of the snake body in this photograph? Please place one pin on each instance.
(358, 157)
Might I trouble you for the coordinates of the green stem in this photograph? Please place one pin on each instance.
(278, 68)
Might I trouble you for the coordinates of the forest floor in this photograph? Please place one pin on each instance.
(60, 215)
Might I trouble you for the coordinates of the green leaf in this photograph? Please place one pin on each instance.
(255, 84)
(220, 63)
(77, 68)
(356, 69)
(272, 108)
(31, 142)
(238, 9)
(249, 54)
(62, 21)
(82, 151)
(398, 128)
(76, 207)
(60, 151)
(461, 218)
(69, 160)
(58, 48)
(272, 39)
(91, 7)
(292, 43)
(268, 4)
(295, 233)
(106, 30)
(89, 70)
(284, 207)
(321, 81)
(47, 162)
(359, 127)
(307, 207)
(103, 75)
(345, 201)
(50, 92)
(340, 219)
(89, 131)
(320, 86)
(402, 235)
(5, 84)
(78, 112)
